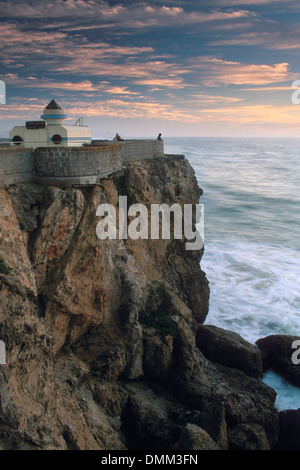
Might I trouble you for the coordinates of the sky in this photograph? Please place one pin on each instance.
(180, 67)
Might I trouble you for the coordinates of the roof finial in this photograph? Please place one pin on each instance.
(53, 105)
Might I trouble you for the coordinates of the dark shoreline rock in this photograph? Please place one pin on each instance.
(289, 436)
(277, 354)
(248, 437)
(230, 349)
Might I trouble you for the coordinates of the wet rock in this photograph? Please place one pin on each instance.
(277, 354)
(243, 400)
(248, 400)
(289, 436)
(230, 349)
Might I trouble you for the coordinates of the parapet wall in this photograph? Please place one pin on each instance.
(16, 165)
(78, 161)
(73, 164)
(140, 149)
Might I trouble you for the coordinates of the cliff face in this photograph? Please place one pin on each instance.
(100, 336)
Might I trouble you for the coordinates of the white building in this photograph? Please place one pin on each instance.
(51, 131)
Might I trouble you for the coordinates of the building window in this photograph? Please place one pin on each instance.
(56, 139)
(17, 140)
(35, 125)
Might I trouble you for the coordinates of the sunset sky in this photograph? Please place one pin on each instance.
(180, 67)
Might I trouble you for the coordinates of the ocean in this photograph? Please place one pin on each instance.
(251, 197)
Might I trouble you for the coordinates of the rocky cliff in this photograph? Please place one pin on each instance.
(103, 344)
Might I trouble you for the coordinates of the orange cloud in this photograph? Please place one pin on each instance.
(176, 82)
(202, 98)
(221, 72)
(254, 114)
(142, 109)
(84, 86)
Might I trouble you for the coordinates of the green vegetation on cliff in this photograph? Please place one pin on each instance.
(4, 269)
(123, 190)
(156, 314)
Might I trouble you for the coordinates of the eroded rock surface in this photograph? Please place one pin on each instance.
(277, 354)
(87, 367)
(230, 349)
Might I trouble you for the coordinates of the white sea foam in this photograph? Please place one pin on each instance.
(288, 396)
(252, 237)
(254, 288)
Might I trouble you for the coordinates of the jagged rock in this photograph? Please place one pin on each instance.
(230, 349)
(192, 437)
(109, 365)
(213, 419)
(146, 419)
(26, 201)
(8, 409)
(83, 371)
(13, 245)
(158, 356)
(28, 380)
(62, 212)
(82, 420)
(112, 397)
(277, 355)
(157, 181)
(289, 436)
(248, 437)
(248, 400)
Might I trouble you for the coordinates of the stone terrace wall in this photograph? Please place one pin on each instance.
(136, 149)
(77, 161)
(16, 165)
(19, 165)
(97, 159)
(139, 149)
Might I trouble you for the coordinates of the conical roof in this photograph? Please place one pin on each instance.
(53, 105)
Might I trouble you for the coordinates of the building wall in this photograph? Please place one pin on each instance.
(72, 136)
(21, 164)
